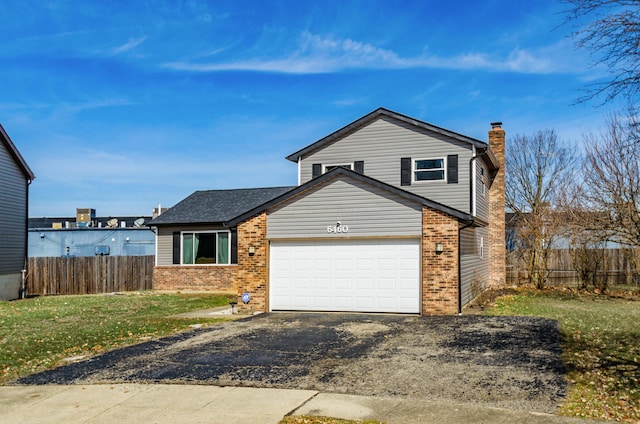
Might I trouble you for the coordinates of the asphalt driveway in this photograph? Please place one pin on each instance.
(510, 362)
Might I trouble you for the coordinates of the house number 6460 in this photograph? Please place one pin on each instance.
(338, 228)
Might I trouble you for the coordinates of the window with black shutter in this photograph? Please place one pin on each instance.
(452, 169)
(176, 248)
(405, 171)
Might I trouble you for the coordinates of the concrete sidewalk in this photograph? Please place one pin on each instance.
(177, 404)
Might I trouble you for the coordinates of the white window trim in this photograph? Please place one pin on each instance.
(414, 170)
(483, 184)
(481, 246)
(182, 233)
(324, 167)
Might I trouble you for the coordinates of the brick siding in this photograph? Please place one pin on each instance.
(439, 270)
(497, 244)
(195, 278)
(252, 268)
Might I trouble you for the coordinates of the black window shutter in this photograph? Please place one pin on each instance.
(405, 171)
(234, 245)
(358, 166)
(176, 248)
(452, 169)
(316, 170)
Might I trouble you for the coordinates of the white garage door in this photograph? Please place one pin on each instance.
(345, 275)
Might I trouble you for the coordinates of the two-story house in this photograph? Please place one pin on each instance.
(15, 178)
(390, 214)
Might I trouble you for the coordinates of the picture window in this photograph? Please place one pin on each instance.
(206, 248)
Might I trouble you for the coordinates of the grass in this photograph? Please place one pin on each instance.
(322, 420)
(39, 333)
(601, 349)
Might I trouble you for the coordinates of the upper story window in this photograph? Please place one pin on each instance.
(327, 168)
(429, 169)
(482, 183)
(318, 169)
(206, 248)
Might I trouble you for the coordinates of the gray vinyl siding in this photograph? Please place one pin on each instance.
(383, 142)
(482, 200)
(164, 240)
(367, 211)
(13, 214)
(474, 269)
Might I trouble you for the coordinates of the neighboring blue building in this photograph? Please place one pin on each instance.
(51, 237)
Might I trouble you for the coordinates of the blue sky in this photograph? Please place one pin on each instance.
(124, 105)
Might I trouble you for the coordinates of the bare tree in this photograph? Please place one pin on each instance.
(538, 167)
(610, 31)
(612, 180)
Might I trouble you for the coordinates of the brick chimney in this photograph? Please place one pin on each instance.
(497, 244)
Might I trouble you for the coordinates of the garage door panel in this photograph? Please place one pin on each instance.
(302, 283)
(345, 275)
(322, 283)
(387, 283)
(322, 265)
(343, 302)
(322, 301)
(364, 303)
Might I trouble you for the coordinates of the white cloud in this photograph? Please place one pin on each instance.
(315, 54)
(129, 45)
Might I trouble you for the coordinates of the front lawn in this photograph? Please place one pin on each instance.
(39, 333)
(601, 349)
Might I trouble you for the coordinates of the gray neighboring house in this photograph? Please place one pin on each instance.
(15, 178)
(390, 214)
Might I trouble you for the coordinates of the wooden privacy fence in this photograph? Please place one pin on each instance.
(89, 274)
(616, 268)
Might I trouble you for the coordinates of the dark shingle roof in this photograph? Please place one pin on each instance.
(217, 206)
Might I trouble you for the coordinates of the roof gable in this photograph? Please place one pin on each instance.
(382, 112)
(345, 173)
(17, 157)
(217, 206)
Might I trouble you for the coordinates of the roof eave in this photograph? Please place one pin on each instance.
(13, 150)
(374, 115)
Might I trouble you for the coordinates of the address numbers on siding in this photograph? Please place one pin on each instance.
(338, 228)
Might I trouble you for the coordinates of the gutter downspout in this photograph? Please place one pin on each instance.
(24, 272)
(472, 186)
(472, 212)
